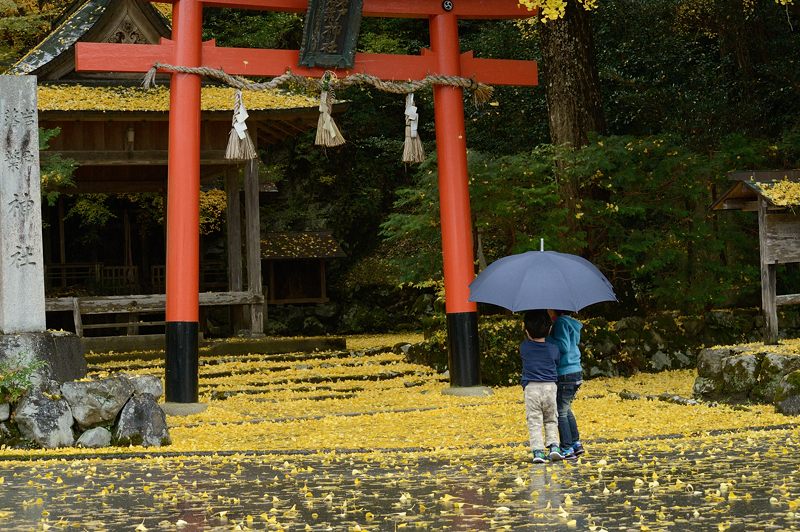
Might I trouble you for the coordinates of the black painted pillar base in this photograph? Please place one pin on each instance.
(181, 364)
(463, 355)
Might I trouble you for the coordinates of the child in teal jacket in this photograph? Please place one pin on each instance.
(566, 335)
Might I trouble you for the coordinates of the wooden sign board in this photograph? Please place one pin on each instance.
(330, 33)
(782, 238)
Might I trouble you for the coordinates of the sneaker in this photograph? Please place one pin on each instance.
(555, 453)
(569, 453)
(539, 457)
(577, 448)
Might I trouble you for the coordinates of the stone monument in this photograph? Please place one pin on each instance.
(23, 327)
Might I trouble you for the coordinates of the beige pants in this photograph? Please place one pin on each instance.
(540, 410)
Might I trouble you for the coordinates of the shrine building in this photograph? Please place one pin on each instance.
(117, 134)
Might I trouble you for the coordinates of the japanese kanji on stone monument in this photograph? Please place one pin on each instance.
(23, 335)
(21, 261)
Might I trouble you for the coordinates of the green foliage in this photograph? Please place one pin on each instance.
(92, 209)
(516, 119)
(15, 377)
(643, 216)
(514, 204)
(498, 337)
(213, 204)
(622, 347)
(391, 36)
(250, 29)
(23, 24)
(150, 209)
(701, 69)
(93, 212)
(8, 8)
(56, 171)
(23, 32)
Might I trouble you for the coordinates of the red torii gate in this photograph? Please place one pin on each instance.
(187, 49)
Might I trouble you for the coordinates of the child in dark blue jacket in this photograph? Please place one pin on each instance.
(539, 376)
(566, 335)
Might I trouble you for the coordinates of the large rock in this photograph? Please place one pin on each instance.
(5, 411)
(97, 402)
(142, 422)
(660, 361)
(772, 369)
(789, 406)
(44, 420)
(788, 386)
(96, 437)
(147, 384)
(709, 362)
(683, 360)
(6, 435)
(740, 373)
(706, 388)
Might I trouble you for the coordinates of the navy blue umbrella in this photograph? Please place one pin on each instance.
(541, 279)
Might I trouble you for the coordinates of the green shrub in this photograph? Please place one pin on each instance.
(16, 377)
(663, 340)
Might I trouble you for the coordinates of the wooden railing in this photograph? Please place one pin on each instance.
(136, 305)
(74, 273)
(119, 279)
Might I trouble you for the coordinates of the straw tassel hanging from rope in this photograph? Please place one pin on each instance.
(413, 152)
(240, 145)
(328, 133)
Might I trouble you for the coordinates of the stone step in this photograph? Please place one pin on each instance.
(321, 379)
(343, 393)
(107, 359)
(205, 369)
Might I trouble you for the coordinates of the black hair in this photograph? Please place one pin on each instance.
(537, 323)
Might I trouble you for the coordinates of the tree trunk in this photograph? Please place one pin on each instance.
(572, 87)
(572, 82)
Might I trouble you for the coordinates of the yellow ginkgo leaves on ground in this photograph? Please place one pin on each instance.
(350, 400)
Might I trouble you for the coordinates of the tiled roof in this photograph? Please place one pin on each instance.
(85, 98)
(300, 245)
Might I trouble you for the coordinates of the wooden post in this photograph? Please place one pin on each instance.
(62, 247)
(233, 223)
(76, 316)
(768, 279)
(323, 288)
(253, 239)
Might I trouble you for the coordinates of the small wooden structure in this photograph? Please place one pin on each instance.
(295, 265)
(778, 231)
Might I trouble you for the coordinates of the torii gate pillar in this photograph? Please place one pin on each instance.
(451, 148)
(181, 364)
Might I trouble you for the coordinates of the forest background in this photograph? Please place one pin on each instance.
(643, 107)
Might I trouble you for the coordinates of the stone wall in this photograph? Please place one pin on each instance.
(118, 410)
